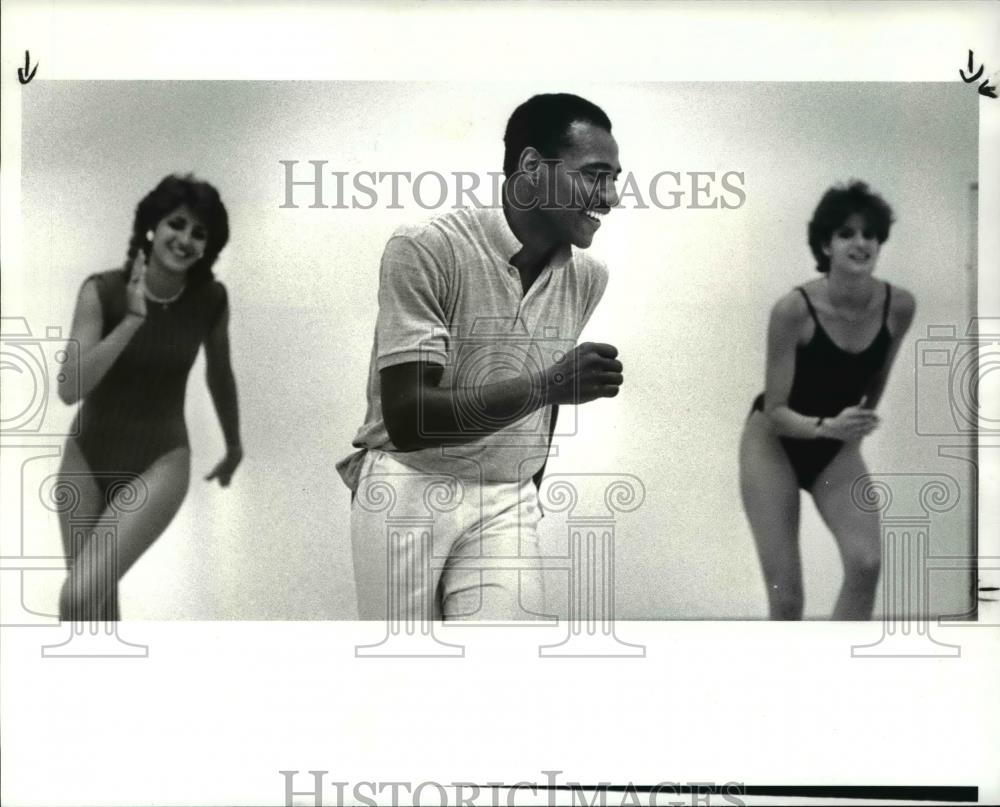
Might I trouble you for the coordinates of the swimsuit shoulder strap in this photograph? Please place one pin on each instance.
(888, 299)
(812, 310)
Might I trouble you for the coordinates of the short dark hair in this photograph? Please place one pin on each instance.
(838, 204)
(202, 199)
(543, 122)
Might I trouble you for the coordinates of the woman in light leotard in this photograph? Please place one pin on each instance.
(139, 329)
(830, 346)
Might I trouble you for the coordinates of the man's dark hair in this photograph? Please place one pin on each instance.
(543, 122)
(838, 204)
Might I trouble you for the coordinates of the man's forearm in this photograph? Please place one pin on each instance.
(453, 416)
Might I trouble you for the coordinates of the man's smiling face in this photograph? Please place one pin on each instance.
(577, 187)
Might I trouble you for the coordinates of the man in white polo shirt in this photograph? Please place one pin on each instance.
(479, 313)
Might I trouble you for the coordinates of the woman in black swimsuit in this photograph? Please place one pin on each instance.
(139, 329)
(830, 346)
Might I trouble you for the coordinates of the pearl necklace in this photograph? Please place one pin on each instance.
(165, 301)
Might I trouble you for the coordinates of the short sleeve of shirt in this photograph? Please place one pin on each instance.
(598, 282)
(411, 320)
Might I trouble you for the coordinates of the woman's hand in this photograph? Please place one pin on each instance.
(853, 423)
(227, 466)
(135, 292)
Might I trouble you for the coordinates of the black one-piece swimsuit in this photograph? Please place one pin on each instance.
(827, 380)
(135, 414)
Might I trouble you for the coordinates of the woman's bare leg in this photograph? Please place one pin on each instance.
(85, 594)
(77, 480)
(857, 532)
(770, 495)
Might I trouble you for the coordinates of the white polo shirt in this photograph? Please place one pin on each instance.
(449, 295)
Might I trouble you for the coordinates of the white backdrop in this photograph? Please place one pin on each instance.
(687, 306)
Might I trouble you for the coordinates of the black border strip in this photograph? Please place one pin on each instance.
(952, 793)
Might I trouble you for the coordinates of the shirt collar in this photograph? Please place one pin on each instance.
(504, 242)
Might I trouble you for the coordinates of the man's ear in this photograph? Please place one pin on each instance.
(530, 164)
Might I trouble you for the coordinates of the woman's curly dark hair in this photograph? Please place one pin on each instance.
(838, 204)
(202, 200)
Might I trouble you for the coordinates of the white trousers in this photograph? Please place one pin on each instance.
(432, 546)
